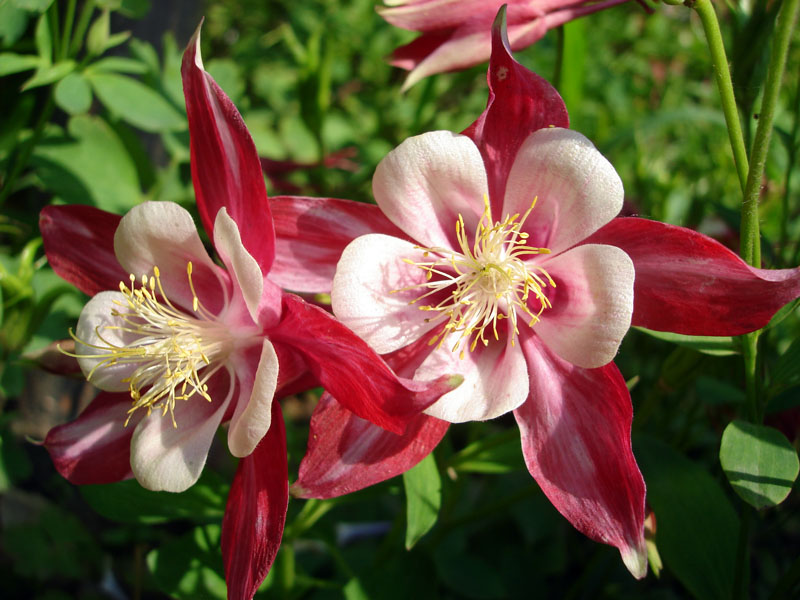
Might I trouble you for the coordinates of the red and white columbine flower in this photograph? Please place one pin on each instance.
(535, 296)
(179, 344)
(455, 34)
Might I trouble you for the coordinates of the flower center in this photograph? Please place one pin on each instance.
(488, 281)
(171, 347)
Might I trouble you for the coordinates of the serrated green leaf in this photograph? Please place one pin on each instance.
(16, 63)
(715, 346)
(129, 502)
(73, 94)
(90, 165)
(759, 462)
(136, 103)
(118, 64)
(423, 487)
(696, 525)
(50, 74)
(190, 566)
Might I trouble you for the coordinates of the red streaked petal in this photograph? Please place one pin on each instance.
(311, 234)
(226, 170)
(576, 439)
(79, 243)
(689, 283)
(95, 447)
(518, 96)
(351, 371)
(346, 453)
(256, 512)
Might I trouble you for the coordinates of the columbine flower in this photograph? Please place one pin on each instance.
(455, 34)
(180, 344)
(534, 289)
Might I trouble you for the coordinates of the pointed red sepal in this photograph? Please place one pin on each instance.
(226, 170)
(576, 440)
(256, 512)
(346, 453)
(95, 447)
(351, 371)
(520, 102)
(79, 244)
(688, 283)
(313, 232)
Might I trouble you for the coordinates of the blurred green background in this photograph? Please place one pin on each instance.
(93, 113)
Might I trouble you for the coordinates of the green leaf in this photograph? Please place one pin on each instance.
(696, 525)
(190, 566)
(98, 34)
(50, 74)
(136, 103)
(228, 75)
(135, 9)
(786, 372)
(33, 5)
(73, 94)
(13, 22)
(89, 166)
(716, 346)
(495, 453)
(44, 40)
(423, 498)
(760, 463)
(15, 63)
(118, 64)
(129, 502)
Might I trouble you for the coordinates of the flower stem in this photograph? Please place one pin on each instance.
(722, 74)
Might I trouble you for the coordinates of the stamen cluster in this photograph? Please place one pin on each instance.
(488, 281)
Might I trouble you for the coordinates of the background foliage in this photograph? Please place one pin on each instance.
(94, 114)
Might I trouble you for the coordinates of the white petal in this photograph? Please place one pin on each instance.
(98, 329)
(253, 413)
(167, 458)
(427, 181)
(577, 189)
(495, 381)
(370, 269)
(163, 234)
(241, 265)
(592, 304)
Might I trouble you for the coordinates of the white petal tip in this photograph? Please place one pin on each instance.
(635, 561)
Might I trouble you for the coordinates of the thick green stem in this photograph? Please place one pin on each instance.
(722, 74)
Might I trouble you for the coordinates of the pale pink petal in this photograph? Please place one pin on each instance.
(688, 283)
(167, 458)
(226, 170)
(576, 189)
(438, 14)
(163, 235)
(256, 512)
(592, 304)
(79, 245)
(95, 447)
(99, 332)
(258, 378)
(263, 299)
(425, 183)
(311, 234)
(495, 380)
(576, 439)
(370, 292)
(346, 453)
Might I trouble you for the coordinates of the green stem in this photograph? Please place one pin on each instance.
(751, 247)
(66, 32)
(722, 74)
(80, 29)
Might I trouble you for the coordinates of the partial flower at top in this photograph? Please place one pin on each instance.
(179, 343)
(496, 254)
(455, 34)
